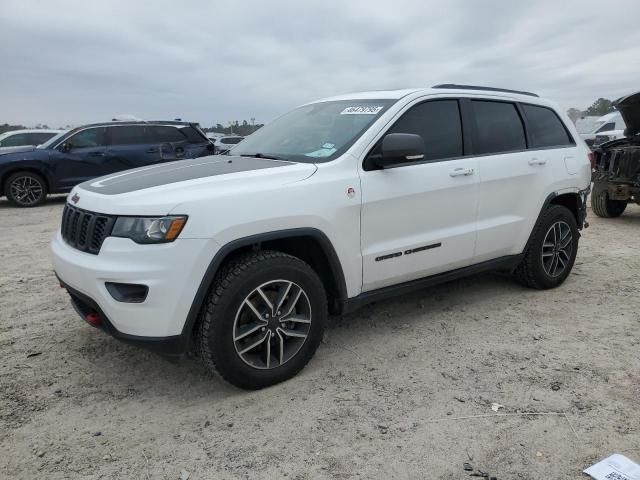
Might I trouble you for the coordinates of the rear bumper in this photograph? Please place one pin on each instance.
(173, 346)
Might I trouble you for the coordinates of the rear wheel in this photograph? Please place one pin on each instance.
(25, 189)
(604, 207)
(263, 320)
(552, 251)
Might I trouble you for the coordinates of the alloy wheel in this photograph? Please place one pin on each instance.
(557, 248)
(26, 190)
(272, 324)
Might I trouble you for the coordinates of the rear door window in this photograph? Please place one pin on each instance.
(545, 128)
(498, 127)
(129, 135)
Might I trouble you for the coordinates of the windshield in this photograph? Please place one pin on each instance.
(313, 133)
(52, 140)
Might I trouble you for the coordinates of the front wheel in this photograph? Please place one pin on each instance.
(552, 250)
(25, 189)
(263, 321)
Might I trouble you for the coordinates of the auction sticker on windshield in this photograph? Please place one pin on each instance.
(362, 110)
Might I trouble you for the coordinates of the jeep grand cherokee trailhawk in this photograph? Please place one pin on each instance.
(340, 202)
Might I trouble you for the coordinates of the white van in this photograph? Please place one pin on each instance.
(608, 127)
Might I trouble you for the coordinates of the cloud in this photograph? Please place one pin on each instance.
(72, 62)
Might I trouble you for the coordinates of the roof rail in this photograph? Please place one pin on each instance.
(477, 87)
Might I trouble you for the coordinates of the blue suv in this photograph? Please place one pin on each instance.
(28, 174)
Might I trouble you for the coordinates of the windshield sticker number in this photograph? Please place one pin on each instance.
(362, 110)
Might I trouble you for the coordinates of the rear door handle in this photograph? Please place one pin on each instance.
(537, 161)
(461, 172)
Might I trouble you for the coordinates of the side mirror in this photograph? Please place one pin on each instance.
(397, 149)
(400, 148)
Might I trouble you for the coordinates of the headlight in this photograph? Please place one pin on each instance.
(149, 229)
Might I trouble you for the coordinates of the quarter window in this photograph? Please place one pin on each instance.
(606, 127)
(498, 126)
(438, 123)
(545, 128)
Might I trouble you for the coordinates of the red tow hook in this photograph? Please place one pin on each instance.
(93, 319)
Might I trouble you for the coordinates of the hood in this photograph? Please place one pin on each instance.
(23, 149)
(629, 108)
(157, 189)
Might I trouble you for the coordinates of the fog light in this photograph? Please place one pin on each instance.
(127, 292)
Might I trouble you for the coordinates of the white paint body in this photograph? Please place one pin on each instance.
(485, 215)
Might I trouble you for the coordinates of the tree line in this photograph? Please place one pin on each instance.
(600, 107)
(235, 128)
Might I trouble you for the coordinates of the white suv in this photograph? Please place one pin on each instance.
(338, 203)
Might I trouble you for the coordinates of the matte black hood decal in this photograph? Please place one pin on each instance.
(629, 108)
(180, 171)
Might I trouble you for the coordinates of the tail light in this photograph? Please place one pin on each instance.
(592, 159)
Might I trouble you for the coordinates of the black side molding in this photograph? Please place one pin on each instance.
(508, 263)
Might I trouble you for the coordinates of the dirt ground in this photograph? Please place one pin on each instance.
(389, 393)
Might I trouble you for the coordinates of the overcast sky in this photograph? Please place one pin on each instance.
(82, 61)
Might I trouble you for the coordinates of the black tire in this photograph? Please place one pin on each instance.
(602, 206)
(234, 284)
(25, 189)
(534, 269)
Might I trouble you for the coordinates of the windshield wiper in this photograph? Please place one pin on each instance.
(261, 155)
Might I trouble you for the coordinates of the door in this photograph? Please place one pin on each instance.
(419, 219)
(80, 157)
(130, 146)
(514, 176)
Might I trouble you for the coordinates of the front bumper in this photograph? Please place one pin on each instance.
(171, 271)
(172, 346)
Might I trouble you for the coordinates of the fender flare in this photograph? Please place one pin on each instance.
(222, 254)
(582, 202)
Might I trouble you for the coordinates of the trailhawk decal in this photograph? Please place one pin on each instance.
(408, 252)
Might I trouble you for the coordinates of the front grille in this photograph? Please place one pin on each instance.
(85, 230)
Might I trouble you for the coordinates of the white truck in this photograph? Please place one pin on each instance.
(340, 202)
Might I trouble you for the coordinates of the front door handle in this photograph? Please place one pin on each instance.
(97, 154)
(537, 161)
(152, 150)
(461, 172)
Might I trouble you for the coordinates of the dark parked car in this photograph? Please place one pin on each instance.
(28, 174)
(616, 172)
